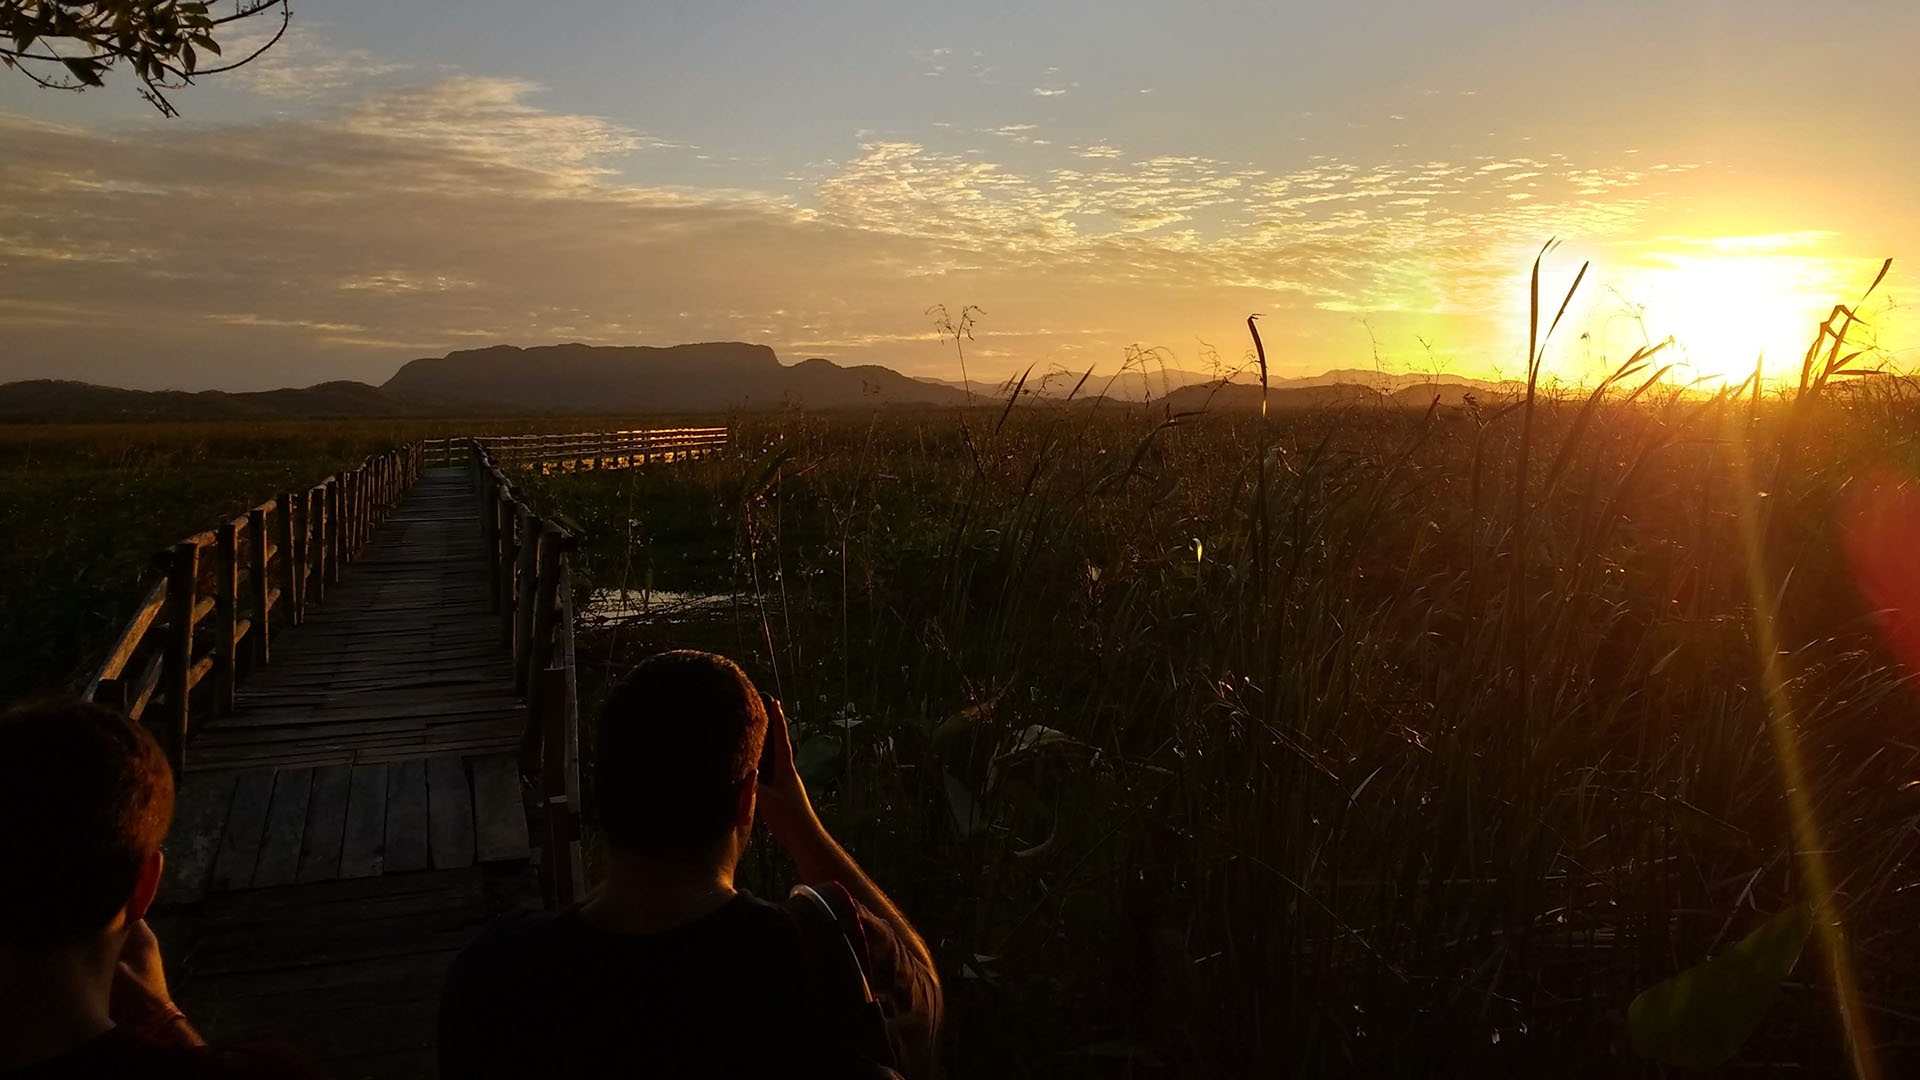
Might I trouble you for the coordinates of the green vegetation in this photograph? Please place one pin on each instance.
(85, 507)
(1568, 735)
(1331, 744)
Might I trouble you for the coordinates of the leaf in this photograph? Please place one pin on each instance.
(763, 474)
(817, 761)
(1701, 1017)
(962, 724)
(967, 815)
(1035, 736)
(87, 71)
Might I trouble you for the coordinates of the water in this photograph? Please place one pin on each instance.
(669, 605)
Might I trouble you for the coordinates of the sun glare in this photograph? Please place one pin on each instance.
(1726, 310)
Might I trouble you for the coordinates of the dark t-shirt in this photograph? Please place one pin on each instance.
(118, 1053)
(725, 995)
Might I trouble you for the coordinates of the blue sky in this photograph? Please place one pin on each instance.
(398, 180)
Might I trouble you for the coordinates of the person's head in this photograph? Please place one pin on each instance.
(85, 799)
(677, 752)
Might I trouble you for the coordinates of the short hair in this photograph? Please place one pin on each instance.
(85, 798)
(677, 739)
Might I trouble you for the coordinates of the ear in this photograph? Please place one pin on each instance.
(145, 887)
(744, 806)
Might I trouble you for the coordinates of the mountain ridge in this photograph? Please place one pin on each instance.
(701, 377)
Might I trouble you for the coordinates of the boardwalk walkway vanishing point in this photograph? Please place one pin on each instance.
(372, 777)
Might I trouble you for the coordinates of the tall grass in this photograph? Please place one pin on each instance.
(1231, 746)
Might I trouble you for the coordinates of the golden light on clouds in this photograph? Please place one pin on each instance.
(415, 219)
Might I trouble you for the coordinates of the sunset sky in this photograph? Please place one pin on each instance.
(398, 180)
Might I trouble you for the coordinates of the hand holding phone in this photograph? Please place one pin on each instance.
(784, 805)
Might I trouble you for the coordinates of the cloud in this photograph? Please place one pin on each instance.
(414, 219)
(304, 64)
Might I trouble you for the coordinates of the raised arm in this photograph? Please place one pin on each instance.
(789, 815)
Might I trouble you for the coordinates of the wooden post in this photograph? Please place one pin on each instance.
(262, 538)
(322, 541)
(545, 596)
(113, 694)
(289, 536)
(349, 517)
(556, 856)
(335, 528)
(490, 527)
(176, 673)
(311, 539)
(509, 556)
(226, 616)
(524, 592)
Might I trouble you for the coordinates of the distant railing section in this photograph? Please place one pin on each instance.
(531, 589)
(443, 452)
(220, 590)
(604, 449)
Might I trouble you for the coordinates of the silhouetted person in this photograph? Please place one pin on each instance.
(85, 799)
(668, 970)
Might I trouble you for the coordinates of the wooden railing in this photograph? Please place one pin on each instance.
(531, 589)
(443, 452)
(604, 449)
(220, 590)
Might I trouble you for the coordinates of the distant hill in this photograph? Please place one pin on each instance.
(61, 399)
(1313, 394)
(1390, 383)
(1128, 386)
(708, 377)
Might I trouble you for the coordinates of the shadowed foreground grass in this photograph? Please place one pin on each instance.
(1363, 754)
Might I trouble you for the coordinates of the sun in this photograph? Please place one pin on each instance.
(1727, 309)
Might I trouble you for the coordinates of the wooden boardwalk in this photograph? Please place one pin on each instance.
(358, 817)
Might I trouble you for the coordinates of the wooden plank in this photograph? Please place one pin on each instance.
(199, 818)
(407, 847)
(362, 850)
(326, 824)
(449, 813)
(286, 825)
(499, 818)
(131, 636)
(246, 824)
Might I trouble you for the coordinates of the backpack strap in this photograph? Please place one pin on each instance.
(835, 948)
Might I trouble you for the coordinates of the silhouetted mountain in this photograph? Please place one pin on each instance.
(1421, 395)
(1056, 385)
(61, 399)
(711, 377)
(1389, 383)
(1228, 397)
(708, 377)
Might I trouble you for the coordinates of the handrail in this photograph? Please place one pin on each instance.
(221, 588)
(531, 589)
(623, 449)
